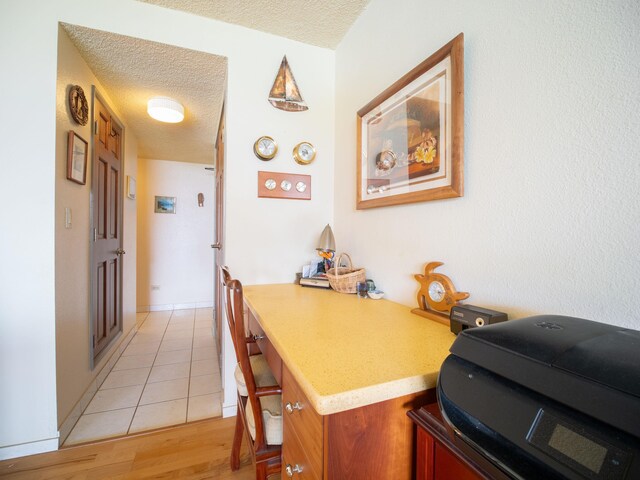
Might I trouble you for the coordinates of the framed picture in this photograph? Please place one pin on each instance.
(77, 152)
(410, 137)
(165, 205)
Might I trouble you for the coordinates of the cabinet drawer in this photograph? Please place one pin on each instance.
(266, 347)
(303, 427)
(295, 463)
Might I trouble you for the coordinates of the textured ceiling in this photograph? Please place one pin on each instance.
(320, 22)
(134, 70)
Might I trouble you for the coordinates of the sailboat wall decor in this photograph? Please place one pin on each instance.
(284, 94)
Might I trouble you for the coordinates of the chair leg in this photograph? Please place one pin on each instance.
(237, 442)
(261, 470)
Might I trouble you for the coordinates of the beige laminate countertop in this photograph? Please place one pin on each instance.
(346, 352)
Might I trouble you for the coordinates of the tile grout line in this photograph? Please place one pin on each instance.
(99, 387)
(150, 370)
(193, 336)
(169, 323)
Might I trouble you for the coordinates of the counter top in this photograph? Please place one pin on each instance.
(346, 352)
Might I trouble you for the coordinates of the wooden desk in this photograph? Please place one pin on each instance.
(354, 367)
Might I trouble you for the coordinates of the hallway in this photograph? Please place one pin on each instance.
(168, 375)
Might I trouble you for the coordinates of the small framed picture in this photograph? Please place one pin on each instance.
(77, 152)
(165, 204)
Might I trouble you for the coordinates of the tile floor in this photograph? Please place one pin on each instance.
(168, 375)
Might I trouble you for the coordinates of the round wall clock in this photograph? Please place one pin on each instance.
(265, 148)
(304, 153)
(78, 105)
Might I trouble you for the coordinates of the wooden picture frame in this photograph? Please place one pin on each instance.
(77, 153)
(410, 137)
(165, 204)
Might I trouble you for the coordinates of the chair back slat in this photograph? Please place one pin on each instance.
(235, 320)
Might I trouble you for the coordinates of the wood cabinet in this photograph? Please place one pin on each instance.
(303, 436)
(374, 441)
(438, 458)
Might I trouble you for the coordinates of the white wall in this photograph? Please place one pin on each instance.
(73, 363)
(266, 240)
(549, 222)
(175, 249)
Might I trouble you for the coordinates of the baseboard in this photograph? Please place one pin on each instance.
(160, 308)
(31, 448)
(229, 410)
(184, 306)
(173, 306)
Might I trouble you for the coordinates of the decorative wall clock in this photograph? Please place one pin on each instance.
(265, 148)
(437, 294)
(78, 105)
(304, 153)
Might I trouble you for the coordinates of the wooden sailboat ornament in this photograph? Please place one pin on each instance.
(285, 94)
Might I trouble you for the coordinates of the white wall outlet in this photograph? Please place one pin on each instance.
(155, 287)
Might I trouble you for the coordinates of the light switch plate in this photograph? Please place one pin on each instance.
(284, 185)
(67, 217)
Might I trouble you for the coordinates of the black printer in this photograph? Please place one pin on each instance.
(546, 397)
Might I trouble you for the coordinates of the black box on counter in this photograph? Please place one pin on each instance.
(470, 316)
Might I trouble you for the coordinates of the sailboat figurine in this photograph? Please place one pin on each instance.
(284, 94)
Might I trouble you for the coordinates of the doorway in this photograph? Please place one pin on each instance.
(184, 150)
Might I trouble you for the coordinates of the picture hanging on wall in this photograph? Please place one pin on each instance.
(165, 205)
(410, 137)
(77, 150)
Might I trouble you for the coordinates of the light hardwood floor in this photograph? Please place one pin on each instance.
(194, 451)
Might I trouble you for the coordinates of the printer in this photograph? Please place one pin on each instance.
(546, 397)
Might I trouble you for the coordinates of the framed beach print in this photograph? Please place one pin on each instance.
(77, 152)
(165, 205)
(410, 137)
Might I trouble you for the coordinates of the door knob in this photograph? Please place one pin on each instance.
(217, 246)
(120, 252)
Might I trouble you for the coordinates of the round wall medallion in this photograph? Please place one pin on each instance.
(78, 105)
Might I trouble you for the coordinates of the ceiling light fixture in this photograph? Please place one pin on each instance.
(165, 109)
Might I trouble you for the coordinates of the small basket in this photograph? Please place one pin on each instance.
(344, 279)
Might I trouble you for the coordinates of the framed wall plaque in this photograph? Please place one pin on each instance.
(77, 152)
(410, 137)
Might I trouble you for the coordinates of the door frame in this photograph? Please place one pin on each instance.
(95, 359)
(219, 221)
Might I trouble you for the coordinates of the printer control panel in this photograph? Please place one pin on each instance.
(579, 448)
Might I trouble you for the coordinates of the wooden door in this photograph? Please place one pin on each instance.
(107, 253)
(219, 234)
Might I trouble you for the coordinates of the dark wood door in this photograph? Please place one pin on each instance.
(219, 233)
(107, 253)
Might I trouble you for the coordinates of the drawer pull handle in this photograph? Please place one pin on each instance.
(291, 470)
(257, 337)
(290, 408)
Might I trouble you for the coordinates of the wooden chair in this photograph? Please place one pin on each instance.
(258, 391)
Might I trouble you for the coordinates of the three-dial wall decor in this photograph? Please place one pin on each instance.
(284, 185)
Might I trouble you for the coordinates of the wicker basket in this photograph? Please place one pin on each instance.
(344, 279)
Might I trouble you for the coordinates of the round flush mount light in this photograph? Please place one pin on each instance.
(165, 109)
